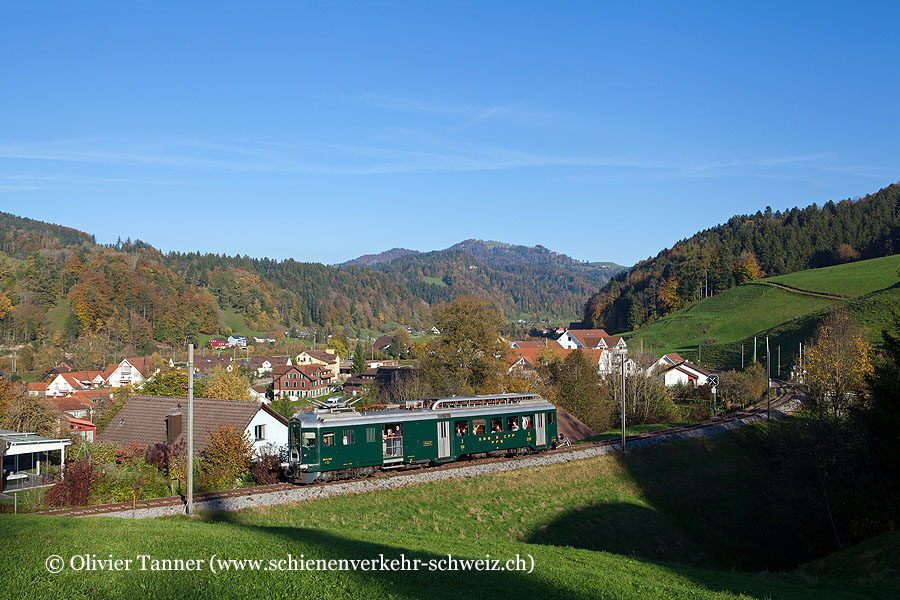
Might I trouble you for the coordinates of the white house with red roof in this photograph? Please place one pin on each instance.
(133, 371)
(590, 339)
(672, 370)
(66, 383)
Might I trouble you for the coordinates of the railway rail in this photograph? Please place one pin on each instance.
(123, 508)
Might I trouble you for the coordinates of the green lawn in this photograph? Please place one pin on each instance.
(679, 521)
(613, 434)
(736, 314)
(56, 316)
(723, 323)
(851, 280)
(435, 281)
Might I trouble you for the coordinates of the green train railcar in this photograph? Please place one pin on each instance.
(343, 443)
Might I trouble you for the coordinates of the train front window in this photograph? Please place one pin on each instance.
(512, 423)
(550, 418)
(497, 425)
(309, 439)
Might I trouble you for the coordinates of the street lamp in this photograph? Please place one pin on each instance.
(621, 353)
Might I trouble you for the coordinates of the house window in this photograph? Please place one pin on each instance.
(259, 432)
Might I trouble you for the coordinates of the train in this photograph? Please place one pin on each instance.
(338, 441)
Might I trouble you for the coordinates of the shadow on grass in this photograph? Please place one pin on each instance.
(319, 544)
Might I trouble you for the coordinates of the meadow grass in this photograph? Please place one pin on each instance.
(678, 521)
(850, 280)
(435, 281)
(614, 434)
(56, 316)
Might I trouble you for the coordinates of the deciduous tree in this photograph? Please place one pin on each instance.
(837, 364)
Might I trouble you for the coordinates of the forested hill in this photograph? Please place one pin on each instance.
(55, 279)
(745, 248)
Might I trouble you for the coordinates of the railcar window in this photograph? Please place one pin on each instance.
(370, 434)
(478, 426)
(527, 423)
(328, 438)
(550, 418)
(349, 437)
(309, 439)
(497, 425)
(462, 428)
(512, 423)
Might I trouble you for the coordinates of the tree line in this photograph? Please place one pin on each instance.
(745, 248)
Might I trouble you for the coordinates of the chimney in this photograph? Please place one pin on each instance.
(173, 427)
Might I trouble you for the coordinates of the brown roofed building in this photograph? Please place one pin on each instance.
(301, 381)
(152, 420)
(326, 358)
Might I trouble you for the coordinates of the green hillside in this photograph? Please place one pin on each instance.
(786, 308)
(679, 521)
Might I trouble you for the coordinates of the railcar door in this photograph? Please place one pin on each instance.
(443, 436)
(309, 451)
(541, 427)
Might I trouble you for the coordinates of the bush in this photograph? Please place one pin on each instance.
(75, 488)
(265, 471)
(228, 453)
(169, 459)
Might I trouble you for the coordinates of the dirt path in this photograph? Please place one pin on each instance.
(794, 290)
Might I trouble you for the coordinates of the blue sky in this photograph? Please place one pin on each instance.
(326, 130)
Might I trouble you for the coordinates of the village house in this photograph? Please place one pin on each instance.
(301, 381)
(525, 360)
(81, 428)
(205, 364)
(262, 365)
(326, 358)
(150, 420)
(672, 370)
(580, 339)
(218, 343)
(66, 383)
(82, 404)
(237, 340)
(130, 371)
(354, 385)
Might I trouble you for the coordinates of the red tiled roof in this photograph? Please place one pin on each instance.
(38, 387)
(70, 403)
(324, 356)
(530, 344)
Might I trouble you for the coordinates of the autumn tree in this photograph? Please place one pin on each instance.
(174, 383)
(24, 413)
(576, 388)
(228, 453)
(400, 343)
(227, 386)
(467, 357)
(837, 364)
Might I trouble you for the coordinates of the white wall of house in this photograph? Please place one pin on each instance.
(273, 431)
(568, 341)
(59, 387)
(124, 374)
(675, 377)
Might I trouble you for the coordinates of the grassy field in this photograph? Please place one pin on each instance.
(56, 316)
(675, 522)
(435, 281)
(613, 434)
(713, 330)
(850, 280)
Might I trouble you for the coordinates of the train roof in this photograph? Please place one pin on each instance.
(442, 408)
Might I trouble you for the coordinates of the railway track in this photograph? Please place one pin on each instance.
(123, 508)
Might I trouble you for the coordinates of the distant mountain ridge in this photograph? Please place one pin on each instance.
(388, 256)
(58, 279)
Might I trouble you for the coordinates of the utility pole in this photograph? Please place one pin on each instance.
(779, 361)
(754, 348)
(622, 353)
(742, 356)
(190, 433)
(768, 382)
